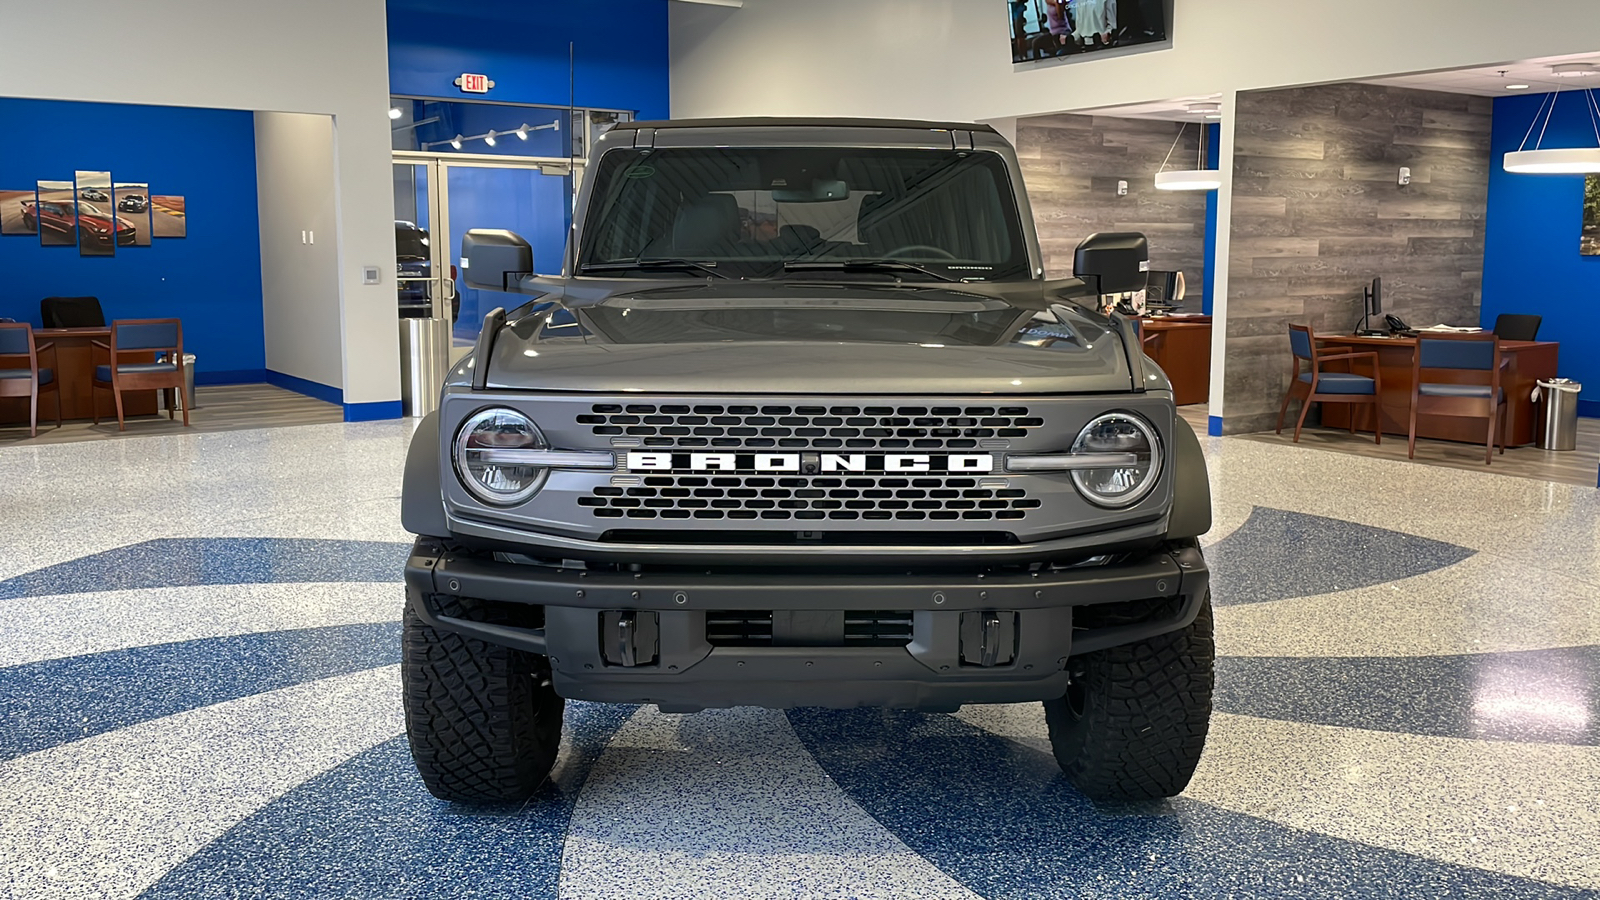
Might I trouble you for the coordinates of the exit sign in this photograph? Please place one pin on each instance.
(474, 84)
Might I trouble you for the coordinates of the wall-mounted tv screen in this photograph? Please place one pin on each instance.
(1058, 29)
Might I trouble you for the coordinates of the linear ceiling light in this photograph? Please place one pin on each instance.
(1563, 160)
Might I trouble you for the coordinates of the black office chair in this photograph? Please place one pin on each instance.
(71, 312)
(1517, 327)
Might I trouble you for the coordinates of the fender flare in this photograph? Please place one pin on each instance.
(422, 496)
(1191, 485)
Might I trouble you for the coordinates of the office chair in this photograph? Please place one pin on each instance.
(17, 340)
(1517, 327)
(141, 336)
(1476, 355)
(71, 312)
(1317, 386)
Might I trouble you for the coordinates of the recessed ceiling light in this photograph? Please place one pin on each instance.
(395, 113)
(1516, 87)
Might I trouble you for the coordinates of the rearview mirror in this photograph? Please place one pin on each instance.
(1113, 262)
(821, 190)
(493, 259)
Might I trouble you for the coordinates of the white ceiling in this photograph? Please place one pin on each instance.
(1482, 81)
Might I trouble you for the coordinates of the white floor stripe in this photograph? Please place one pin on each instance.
(107, 816)
(38, 628)
(1522, 809)
(1482, 604)
(729, 803)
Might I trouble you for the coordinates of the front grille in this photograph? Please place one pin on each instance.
(811, 498)
(931, 428)
(766, 628)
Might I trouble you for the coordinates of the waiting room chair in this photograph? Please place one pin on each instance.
(71, 312)
(1317, 386)
(1475, 357)
(16, 340)
(142, 336)
(1517, 327)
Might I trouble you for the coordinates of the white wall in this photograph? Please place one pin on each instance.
(306, 56)
(299, 280)
(951, 59)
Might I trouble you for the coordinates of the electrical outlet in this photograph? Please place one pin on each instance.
(1405, 175)
(1122, 189)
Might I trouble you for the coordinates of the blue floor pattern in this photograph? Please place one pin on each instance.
(993, 814)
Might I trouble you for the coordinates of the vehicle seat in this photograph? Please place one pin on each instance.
(708, 225)
(798, 239)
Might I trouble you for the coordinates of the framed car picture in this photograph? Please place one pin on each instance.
(167, 216)
(132, 202)
(53, 213)
(99, 228)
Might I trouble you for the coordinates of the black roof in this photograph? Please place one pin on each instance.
(782, 121)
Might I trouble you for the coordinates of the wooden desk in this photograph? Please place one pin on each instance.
(1530, 360)
(1181, 346)
(74, 362)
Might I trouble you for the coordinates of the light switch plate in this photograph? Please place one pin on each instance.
(369, 274)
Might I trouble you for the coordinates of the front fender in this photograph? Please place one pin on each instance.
(1191, 486)
(422, 496)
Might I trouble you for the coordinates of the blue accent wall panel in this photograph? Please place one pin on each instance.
(1213, 155)
(1531, 262)
(619, 49)
(210, 279)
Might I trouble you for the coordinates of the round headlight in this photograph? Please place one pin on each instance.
(498, 483)
(1124, 485)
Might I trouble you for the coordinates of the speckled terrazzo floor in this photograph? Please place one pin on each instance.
(198, 691)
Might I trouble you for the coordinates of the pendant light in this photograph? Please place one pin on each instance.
(1199, 178)
(1564, 160)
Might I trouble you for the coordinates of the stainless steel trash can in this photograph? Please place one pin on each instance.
(424, 360)
(188, 384)
(1559, 396)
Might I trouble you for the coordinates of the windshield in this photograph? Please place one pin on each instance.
(753, 212)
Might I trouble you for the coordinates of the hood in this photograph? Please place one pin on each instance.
(812, 338)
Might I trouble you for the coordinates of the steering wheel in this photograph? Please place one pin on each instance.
(939, 250)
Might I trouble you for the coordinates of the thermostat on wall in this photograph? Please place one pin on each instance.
(369, 274)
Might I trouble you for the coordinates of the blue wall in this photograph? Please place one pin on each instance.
(1213, 157)
(210, 279)
(1531, 262)
(620, 51)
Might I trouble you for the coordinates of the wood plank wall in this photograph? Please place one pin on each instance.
(1318, 211)
(1071, 166)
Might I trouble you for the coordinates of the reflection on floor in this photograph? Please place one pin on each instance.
(222, 407)
(1578, 467)
(199, 685)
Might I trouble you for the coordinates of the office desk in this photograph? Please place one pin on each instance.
(1181, 346)
(75, 359)
(1530, 360)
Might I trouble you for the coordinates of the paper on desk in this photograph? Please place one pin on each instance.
(1452, 328)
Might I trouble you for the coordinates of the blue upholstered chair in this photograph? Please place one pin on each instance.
(1460, 375)
(145, 337)
(20, 372)
(1318, 386)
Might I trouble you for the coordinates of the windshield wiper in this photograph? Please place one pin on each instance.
(869, 265)
(655, 262)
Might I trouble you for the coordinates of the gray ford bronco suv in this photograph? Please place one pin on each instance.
(802, 423)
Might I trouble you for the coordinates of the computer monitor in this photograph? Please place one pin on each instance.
(1375, 297)
(1165, 289)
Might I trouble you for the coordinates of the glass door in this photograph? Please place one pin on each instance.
(424, 282)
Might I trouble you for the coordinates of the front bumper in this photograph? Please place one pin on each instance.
(934, 671)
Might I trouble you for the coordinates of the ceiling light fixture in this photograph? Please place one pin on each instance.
(1199, 178)
(395, 113)
(522, 131)
(1517, 87)
(1563, 160)
(489, 138)
(1575, 70)
(456, 142)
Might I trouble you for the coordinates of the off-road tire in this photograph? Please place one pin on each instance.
(483, 722)
(1134, 719)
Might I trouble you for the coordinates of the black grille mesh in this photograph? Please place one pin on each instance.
(871, 497)
(755, 427)
(861, 628)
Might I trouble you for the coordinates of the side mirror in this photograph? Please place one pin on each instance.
(1113, 263)
(492, 259)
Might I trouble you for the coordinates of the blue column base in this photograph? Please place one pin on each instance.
(1214, 426)
(371, 412)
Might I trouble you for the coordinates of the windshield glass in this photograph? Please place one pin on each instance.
(753, 211)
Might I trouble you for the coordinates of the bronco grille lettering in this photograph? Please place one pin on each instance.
(641, 461)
